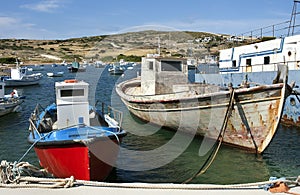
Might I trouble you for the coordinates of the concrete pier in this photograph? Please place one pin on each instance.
(144, 189)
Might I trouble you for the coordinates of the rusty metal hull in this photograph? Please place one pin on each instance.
(291, 112)
(256, 112)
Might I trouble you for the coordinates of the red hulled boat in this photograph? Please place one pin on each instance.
(72, 138)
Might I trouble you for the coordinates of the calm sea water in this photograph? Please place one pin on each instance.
(150, 153)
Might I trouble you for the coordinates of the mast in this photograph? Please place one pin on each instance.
(293, 18)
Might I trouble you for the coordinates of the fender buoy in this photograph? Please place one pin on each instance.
(71, 81)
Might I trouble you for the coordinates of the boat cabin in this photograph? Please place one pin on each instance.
(72, 103)
(18, 72)
(262, 56)
(163, 75)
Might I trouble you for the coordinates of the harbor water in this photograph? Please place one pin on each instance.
(150, 153)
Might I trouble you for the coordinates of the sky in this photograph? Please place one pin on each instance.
(63, 19)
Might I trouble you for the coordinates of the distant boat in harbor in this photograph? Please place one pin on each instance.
(116, 69)
(55, 74)
(72, 138)
(75, 67)
(163, 96)
(19, 77)
(9, 103)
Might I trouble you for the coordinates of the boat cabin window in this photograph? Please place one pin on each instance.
(267, 60)
(233, 63)
(248, 62)
(23, 70)
(150, 65)
(71, 92)
(1, 86)
(171, 66)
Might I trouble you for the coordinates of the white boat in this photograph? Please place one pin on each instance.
(19, 77)
(116, 69)
(8, 103)
(248, 116)
(55, 74)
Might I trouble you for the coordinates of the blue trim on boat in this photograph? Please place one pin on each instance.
(249, 55)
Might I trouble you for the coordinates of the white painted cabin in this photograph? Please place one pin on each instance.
(161, 75)
(72, 103)
(261, 57)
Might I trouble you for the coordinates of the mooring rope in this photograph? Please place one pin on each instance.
(220, 138)
(25, 175)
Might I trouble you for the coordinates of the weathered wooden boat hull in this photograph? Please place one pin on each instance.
(256, 113)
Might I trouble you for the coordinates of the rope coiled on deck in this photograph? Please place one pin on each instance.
(25, 175)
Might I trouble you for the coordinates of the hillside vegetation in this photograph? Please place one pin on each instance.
(108, 47)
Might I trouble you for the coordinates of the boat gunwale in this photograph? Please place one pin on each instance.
(67, 143)
(163, 98)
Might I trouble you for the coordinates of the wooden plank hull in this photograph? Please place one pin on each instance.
(256, 113)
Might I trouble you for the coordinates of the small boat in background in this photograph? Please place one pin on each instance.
(72, 138)
(9, 103)
(116, 69)
(75, 67)
(55, 74)
(19, 77)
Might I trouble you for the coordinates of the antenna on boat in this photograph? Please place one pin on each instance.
(17, 63)
(158, 46)
(293, 18)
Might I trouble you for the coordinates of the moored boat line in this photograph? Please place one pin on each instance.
(163, 96)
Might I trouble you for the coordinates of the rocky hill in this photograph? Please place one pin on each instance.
(107, 47)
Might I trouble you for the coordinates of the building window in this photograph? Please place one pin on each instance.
(267, 60)
(248, 62)
(233, 63)
(150, 65)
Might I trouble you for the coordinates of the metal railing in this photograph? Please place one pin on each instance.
(115, 114)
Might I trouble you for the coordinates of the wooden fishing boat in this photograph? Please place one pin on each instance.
(72, 138)
(162, 95)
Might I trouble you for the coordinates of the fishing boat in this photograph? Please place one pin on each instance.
(8, 103)
(74, 67)
(72, 138)
(163, 95)
(19, 77)
(116, 69)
